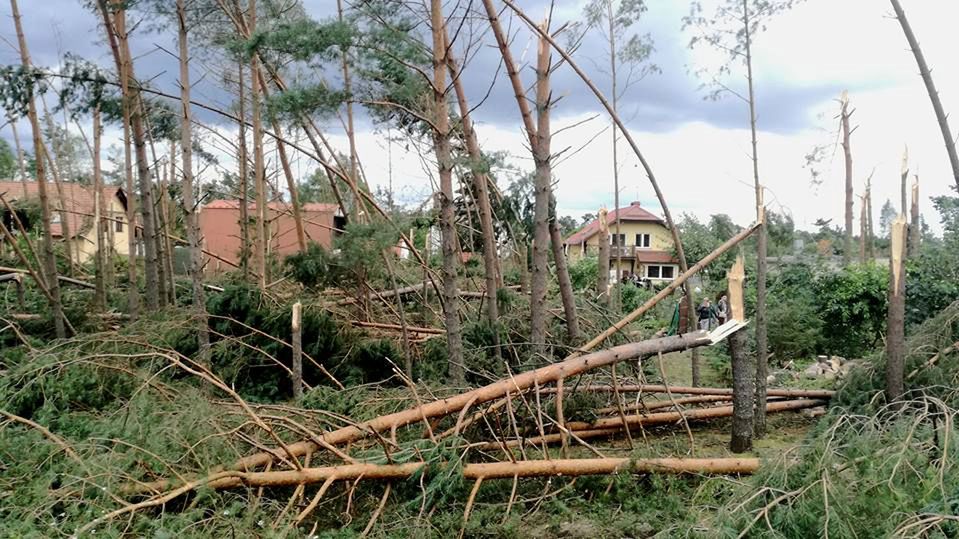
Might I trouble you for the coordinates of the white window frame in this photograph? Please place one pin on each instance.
(660, 268)
(646, 241)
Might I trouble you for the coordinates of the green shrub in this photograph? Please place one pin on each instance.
(584, 273)
(852, 306)
(311, 268)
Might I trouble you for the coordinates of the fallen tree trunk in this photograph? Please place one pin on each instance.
(646, 406)
(443, 407)
(397, 327)
(491, 470)
(612, 425)
(685, 390)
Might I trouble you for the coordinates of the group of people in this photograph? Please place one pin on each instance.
(710, 315)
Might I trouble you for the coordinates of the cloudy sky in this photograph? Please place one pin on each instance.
(698, 148)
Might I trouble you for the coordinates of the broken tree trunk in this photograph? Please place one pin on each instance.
(926, 74)
(602, 271)
(844, 115)
(914, 223)
(744, 375)
(686, 390)
(297, 342)
(895, 321)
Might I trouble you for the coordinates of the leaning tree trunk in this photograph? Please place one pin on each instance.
(845, 113)
(189, 202)
(444, 159)
(602, 265)
(895, 320)
(20, 164)
(926, 74)
(542, 188)
(49, 258)
(759, 419)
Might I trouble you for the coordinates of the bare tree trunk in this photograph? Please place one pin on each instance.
(743, 378)
(863, 229)
(50, 261)
(914, 225)
(169, 223)
(926, 74)
(565, 285)
(602, 270)
(871, 245)
(112, 33)
(262, 236)
(189, 203)
(53, 159)
(895, 328)
(99, 295)
(297, 342)
(541, 196)
(614, 100)
(350, 131)
(132, 104)
(441, 138)
(903, 177)
(759, 418)
(244, 176)
(480, 187)
(845, 113)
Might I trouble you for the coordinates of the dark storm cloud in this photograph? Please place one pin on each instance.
(660, 102)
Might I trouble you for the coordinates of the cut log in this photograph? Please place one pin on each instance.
(646, 406)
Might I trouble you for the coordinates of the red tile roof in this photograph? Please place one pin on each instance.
(223, 204)
(632, 213)
(78, 201)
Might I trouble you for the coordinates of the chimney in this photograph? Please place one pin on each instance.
(635, 203)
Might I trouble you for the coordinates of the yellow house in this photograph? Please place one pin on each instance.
(78, 206)
(644, 244)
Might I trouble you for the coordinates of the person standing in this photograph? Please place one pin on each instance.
(706, 314)
(722, 310)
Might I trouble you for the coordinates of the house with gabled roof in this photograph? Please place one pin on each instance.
(78, 207)
(644, 244)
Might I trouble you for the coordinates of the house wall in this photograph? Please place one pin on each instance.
(84, 244)
(220, 228)
(660, 240)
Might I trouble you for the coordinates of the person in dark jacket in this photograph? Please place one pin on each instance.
(706, 314)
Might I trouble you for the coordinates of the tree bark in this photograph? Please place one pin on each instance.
(478, 167)
(844, 114)
(926, 74)
(744, 376)
(297, 344)
(614, 99)
(20, 165)
(150, 270)
(189, 202)
(565, 285)
(541, 197)
(895, 321)
(259, 179)
(761, 365)
(243, 171)
(49, 258)
(441, 140)
(863, 229)
(602, 270)
(871, 245)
